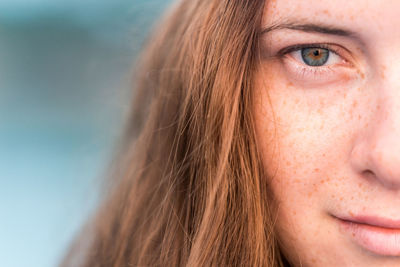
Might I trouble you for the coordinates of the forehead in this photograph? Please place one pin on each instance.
(375, 16)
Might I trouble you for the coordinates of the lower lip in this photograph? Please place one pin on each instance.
(378, 240)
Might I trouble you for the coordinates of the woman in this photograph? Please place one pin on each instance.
(268, 137)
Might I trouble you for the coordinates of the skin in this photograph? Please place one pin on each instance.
(330, 139)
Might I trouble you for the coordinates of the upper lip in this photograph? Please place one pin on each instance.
(373, 221)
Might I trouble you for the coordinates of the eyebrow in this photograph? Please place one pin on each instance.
(309, 27)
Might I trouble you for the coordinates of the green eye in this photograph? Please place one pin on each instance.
(315, 56)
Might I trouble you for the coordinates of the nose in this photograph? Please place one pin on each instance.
(376, 153)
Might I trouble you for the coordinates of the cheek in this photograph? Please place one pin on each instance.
(294, 135)
(304, 148)
(304, 135)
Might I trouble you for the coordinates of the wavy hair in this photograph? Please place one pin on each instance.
(189, 189)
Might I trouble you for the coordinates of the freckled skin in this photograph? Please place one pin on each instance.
(332, 148)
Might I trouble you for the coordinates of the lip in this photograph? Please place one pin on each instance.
(378, 235)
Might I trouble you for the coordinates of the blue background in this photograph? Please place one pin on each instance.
(65, 70)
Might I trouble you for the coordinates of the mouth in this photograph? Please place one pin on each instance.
(377, 235)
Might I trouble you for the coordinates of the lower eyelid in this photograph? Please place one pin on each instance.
(323, 74)
(311, 72)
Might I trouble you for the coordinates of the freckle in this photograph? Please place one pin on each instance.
(326, 12)
(289, 84)
(323, 155)
(378, 107)
(359, 89)
(355, 103)
(321, 127)
(352, 198)
(341, 198)
(361, 74)
(345, 95)
(359, 117)
(316, 170)
(351, 213)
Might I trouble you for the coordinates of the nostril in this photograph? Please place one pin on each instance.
(369, 175)
(375, 158)
(384, 176)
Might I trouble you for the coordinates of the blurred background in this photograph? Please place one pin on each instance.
(65, 70)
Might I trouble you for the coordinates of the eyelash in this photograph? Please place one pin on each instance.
(293, 48)
(312, 72)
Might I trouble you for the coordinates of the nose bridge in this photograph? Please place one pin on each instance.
(388, 102)
(383, 144)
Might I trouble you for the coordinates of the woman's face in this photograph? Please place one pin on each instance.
(328, 127)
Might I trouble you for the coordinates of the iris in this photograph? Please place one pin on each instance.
(315, 56)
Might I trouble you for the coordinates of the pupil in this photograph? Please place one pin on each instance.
(315, 56)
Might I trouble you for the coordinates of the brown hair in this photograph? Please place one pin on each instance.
(190, 189)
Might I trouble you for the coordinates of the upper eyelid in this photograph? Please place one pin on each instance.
(297, 47)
